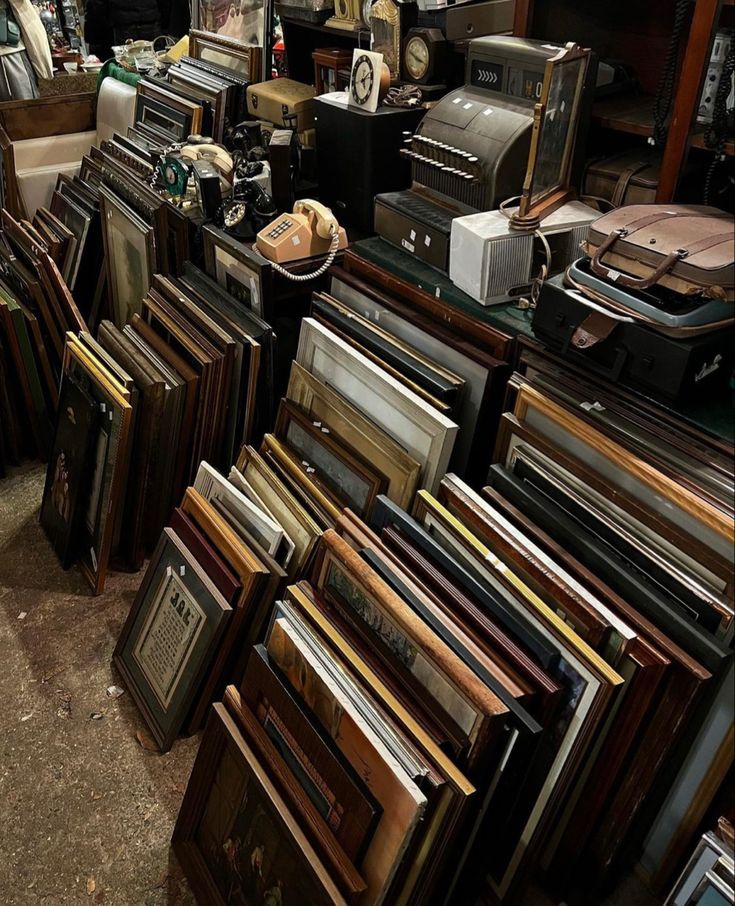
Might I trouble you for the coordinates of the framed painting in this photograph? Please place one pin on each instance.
(284, 507)
(170, 636)
(68, 467)
(130, 254)
(236, 838)
(427, 435)
(359, 434)
(309, 815)
(240, 270)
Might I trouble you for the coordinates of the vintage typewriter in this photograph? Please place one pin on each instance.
(470, 151)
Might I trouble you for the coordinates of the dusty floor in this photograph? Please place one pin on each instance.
(86, 813)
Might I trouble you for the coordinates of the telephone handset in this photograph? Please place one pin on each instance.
(310, 230)
(218, 156)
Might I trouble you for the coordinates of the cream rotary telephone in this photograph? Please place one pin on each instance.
(310, 230)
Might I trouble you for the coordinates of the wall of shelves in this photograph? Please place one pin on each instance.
(638, 34)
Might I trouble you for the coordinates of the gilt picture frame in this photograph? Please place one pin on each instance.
(213, 47)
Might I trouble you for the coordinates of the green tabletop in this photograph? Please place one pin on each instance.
(712, 414)
(505, 317)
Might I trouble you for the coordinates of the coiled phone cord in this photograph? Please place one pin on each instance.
(304, 278)
(717, 131)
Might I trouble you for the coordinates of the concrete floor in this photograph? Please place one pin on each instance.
(86, 813)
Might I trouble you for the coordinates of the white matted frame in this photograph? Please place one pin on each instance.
(422, 431)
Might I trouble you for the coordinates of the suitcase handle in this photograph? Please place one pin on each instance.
(652, 279)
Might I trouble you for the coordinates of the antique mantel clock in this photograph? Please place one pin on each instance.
(424, 56)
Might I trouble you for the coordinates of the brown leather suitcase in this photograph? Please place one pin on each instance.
(623, 179)
(687, 248)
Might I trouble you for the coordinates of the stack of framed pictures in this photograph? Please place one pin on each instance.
(36, 310)
(73, 225)
(208, 590)
(638, 514)
(194, 370)
(475, 355)
(709, 876)
(143, 233)
(386, 395)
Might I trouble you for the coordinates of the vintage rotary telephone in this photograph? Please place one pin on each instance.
(310, 230)
(174, 167)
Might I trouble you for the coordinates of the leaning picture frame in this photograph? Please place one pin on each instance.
(547, 183)
(130, 256)
(170, 637)
(232, 816)
(246, 275)
(110, 459)
(426, 434)
(213, 47)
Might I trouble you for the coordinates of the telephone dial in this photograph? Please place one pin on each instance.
(310, 230)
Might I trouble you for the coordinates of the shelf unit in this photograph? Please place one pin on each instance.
(302, 38)
(638, 34)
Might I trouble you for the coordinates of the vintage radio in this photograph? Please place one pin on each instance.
(489, 260)
(470, 151)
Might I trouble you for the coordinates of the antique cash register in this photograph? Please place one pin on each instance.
(470, 151)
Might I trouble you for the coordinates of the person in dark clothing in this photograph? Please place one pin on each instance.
(109, 22)
(179, 19)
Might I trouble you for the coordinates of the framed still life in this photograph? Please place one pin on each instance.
(170, 636)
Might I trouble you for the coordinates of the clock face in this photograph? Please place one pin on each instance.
(416, 57)
(363, 77)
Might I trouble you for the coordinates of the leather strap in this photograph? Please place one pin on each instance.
(595, 328)
(621, 186)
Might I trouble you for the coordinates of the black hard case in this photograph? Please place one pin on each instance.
(635, 355)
